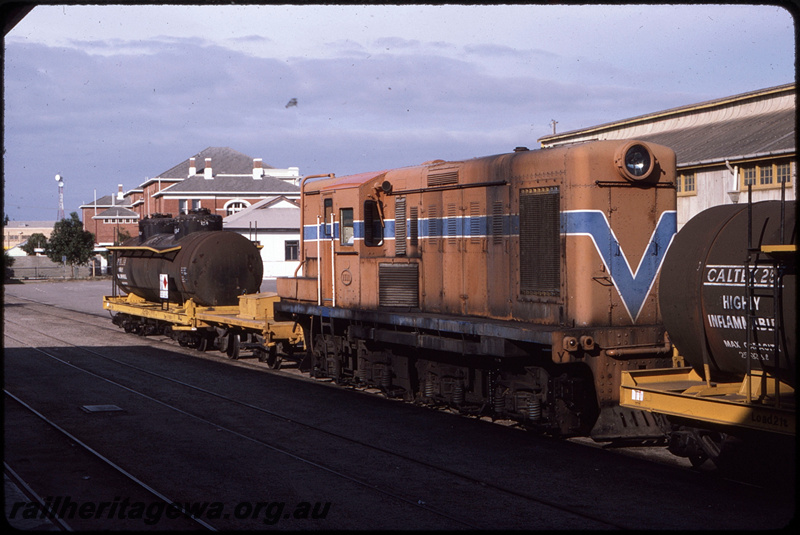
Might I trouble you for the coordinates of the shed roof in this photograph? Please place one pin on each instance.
(759, 135)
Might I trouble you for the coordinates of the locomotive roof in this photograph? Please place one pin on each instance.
(352, 181)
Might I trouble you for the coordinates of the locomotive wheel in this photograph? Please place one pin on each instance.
(234, 345)
(205, 342)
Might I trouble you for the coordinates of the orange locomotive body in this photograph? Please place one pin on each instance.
(518, 285)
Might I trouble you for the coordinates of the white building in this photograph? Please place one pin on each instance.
(275, 224)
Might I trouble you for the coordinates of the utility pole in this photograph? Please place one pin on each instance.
(554, 123)
(60, 181)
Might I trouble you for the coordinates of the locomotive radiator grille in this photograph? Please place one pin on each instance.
(400, 226)
(443, 178)
(398, 285)
(539, 241)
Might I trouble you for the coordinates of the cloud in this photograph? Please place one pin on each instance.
(115, 109)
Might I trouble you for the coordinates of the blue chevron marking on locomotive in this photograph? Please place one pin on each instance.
(633, 287)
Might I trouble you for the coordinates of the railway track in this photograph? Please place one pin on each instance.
(102, 366)
(48, 508)
(348, 443)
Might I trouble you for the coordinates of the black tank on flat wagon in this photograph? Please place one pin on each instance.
(193, 255)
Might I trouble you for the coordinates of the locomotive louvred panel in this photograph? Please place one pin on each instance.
(452, 223)
(443, 178)
(413, 226)
(433, 225)
(539, 241)
(400, 226)
(475, 222)
(497, 223)
(398, 285)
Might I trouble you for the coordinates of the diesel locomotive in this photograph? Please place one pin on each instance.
(518, 285)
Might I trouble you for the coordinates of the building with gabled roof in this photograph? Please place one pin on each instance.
(721, 145)
(218, 178)
(275, 224)
(110, 218)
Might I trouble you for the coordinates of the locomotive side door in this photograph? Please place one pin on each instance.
(498, 247)
(453, 243)
(324, 253)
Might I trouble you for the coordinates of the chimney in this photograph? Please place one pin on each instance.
(258, 170)
(192, 167)
(120, 194)
(208, 174)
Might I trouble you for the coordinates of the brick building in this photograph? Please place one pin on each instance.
(218, 178)
(110, 218)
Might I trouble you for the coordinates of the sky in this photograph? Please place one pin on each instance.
(108, 95)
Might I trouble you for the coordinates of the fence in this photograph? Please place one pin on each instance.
(41, 267)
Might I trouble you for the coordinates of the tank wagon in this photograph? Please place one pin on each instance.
(188, 257)
(187, 278)
(518, 285)
(728, 300)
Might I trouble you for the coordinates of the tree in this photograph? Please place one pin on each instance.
(8, 261)
(36, 241)
(71, 241)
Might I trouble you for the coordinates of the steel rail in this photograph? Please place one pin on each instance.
(455, 473)
(99, 455)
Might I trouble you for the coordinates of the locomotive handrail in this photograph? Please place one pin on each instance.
(449, 187)
(302, 211)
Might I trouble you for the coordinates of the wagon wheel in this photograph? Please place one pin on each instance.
(273, 359)
(205, 341)
(234, 344)
(222, 342)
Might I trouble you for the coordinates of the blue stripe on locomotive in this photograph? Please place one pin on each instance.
(632, 286)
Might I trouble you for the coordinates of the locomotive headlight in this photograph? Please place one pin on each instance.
(635, 161)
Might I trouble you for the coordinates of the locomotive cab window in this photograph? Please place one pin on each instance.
(346, 233)
(373, 224)
(327, 212)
